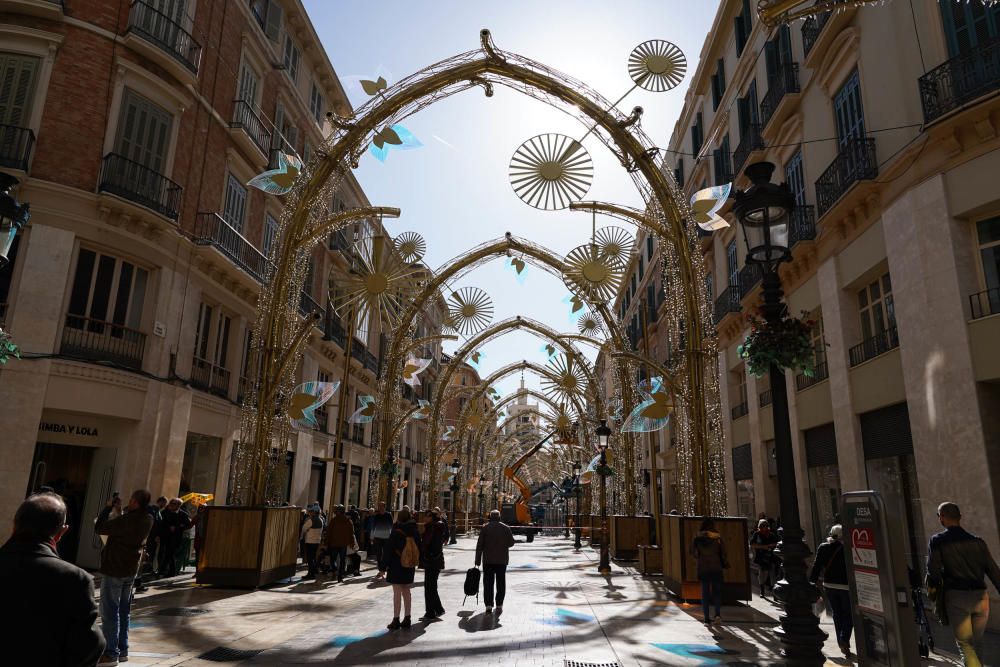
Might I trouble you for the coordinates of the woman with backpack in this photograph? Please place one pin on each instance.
(402, 557)
(710, 556)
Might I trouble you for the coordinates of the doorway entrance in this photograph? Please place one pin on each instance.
(84, 477)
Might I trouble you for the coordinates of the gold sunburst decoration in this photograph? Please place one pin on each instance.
(410, 246)
(615, 243)
(565, 379)
(592, 274)
(560, 421)
(470, 309)
(657, 65)
(550, 171)
(379, 285)
(589, 324)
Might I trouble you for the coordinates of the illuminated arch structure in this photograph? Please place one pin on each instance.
(278, 333)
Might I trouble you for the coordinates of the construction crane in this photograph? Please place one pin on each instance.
(522, 513)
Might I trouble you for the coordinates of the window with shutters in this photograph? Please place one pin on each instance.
(679, 173)
(143, 132)
(649, 248)
(743, 27)
(732, 264)
(722, 159)
(849, 111)
(234, 209)
(316, 103)
(249, 86)
(718, 83)
(697, 134)
(876, 307)
(796, 179)
(270, 234)
(106, 290)
(18, 75)
(291, 58)
(969, 25)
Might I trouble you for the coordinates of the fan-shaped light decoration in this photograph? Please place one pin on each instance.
(560, 421)
(565, 380)
(616, 244)
(471, 309)
(657, 65)
(591, 274)
(550, 171)
(410, 246)
(448, 324)
(306, 398)
(589, 324)
(412, 370)
(379, 286)
(366, 412)
(653, 413)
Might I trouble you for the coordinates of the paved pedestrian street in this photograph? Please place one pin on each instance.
(559, 611)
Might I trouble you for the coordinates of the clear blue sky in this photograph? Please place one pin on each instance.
(455, 191)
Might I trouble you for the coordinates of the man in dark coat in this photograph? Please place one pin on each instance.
(174, 521)
(120, 557)
(493, 551)
(53, 617)
(339, 536)
(432, 560)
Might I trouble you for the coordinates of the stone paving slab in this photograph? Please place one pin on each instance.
(558, 609)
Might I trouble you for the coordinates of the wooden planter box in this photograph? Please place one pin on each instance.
(650, 559)
(679, 567)
(247, 547)
(627, 533)
(595, 530)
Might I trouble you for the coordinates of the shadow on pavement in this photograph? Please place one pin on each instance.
(481, 622)
(366, 651)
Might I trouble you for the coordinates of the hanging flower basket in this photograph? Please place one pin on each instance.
(7, 348)
(787, 344)
(604, 470)
(389, 470)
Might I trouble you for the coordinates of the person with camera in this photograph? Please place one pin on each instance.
(127, 534)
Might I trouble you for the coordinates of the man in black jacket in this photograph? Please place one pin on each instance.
(957, 562)
(493, 551)
(53, 620)
(830, 568)
(173, 522)
(120, 558)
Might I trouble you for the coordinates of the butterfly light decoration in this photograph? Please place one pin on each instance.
(278, 181)
(392, 136)
(306, 398)
(366, 412)
(449, 434)
(412, 370)
(550, 350)
(653, 413)
(475, 358)
(575, 304)
(424, 411)
(705, 205)
(519, 267)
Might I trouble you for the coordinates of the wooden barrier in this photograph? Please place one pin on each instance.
(247, 547)
(680, 568)
(650, 559)
(595, 530)
(627, 533)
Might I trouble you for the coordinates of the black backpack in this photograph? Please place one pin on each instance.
(472, 576)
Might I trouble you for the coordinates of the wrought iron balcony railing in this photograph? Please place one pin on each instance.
(212, 229)
(749, 277)
(765, 397)
(750, 141)
(961, 80)
(985, 303)
(308, 306)
(338, 241)
(803, 225)
(96, 340)
(740, 410)
(206, 375)
(872, 347)
(784, 83)
(727, 302)
(855, 162)
(15, 146)
(811, 29)
(158, 28)
(371, 362)
(820, 373)
(140, 184)
(334, 329)
(242, 387)
(245, 117)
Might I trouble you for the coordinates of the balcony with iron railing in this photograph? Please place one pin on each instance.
(727, 302)
(750, 141)
(212, 229)
(740, 410)
(338, 241)
(764, 398)
(820, 372)
(210, 377)
(802, 225)
(371, 362)
(985, 303)
(15, 147)
(960, 81)
(158, 28)
(874, 346)
(140, 184)
(811, 29)
(749, 277)
(334, 329)
(779, 88)
(358, 351)
(309, 306)
(96, 340)
(245, 118)
(242, 388)
(855, 162)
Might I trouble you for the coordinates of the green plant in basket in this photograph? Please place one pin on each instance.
(786, 343)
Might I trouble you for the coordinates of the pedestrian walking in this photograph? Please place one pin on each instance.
(380, 520)
(762, 544)
(402, 555)
(432, 559)
(53, 615)
(173, 524)
(710, 555)
(339, 536)
(493, 551)
(830, 569)
(312, 536)
(957, 562)
(120, 557)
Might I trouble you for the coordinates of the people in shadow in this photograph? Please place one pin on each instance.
(402, 555)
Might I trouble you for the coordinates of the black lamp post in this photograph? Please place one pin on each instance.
(603, 434)
(13, 215)
(577, 488)
(764, 212)
(483, 483)
(496, 496)
(455, 466)
(390, 493)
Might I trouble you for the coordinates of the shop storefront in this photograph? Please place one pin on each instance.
(824, 479)
(743, 475)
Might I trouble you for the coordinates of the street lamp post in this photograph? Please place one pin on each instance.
(496, 496)
(455, 466)
(603, 433)
(483, 483)
(764, 212)
(577, 488)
